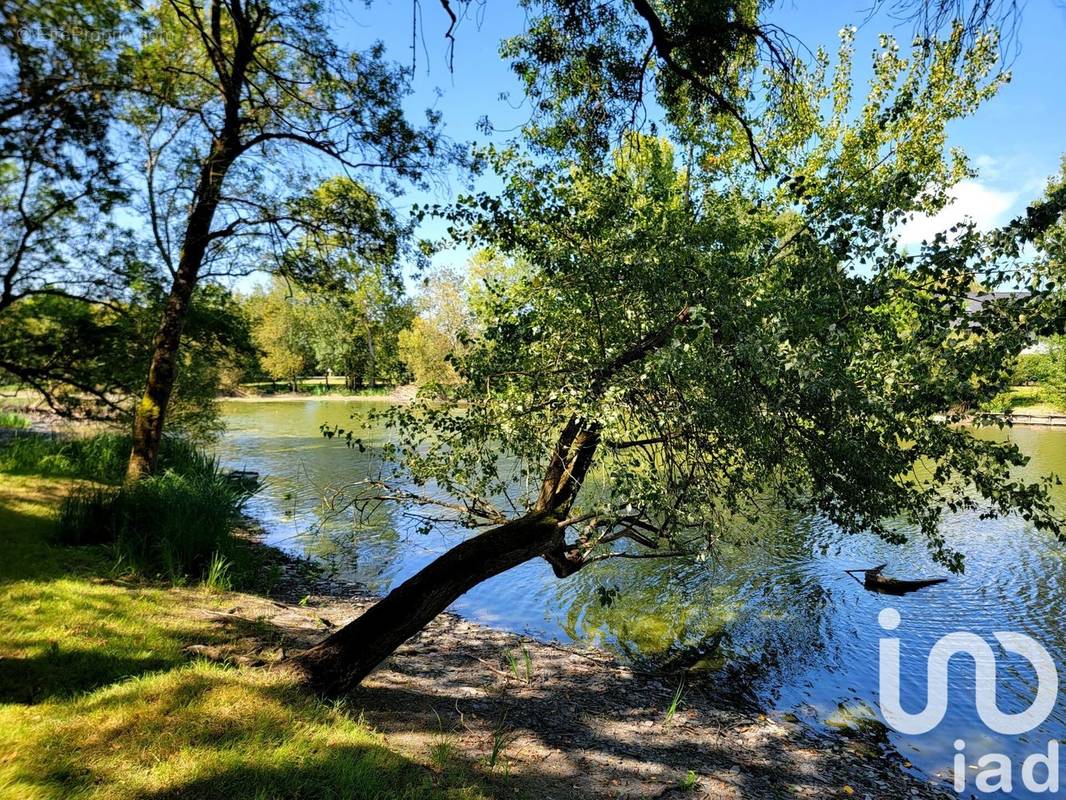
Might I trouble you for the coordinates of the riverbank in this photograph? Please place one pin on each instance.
(397, 394)
(112, 687)
(104, 693)
(568, 721)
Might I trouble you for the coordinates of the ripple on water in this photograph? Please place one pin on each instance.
(784, 606)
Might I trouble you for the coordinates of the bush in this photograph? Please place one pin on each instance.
(1030, 368)
(87, 516)
(175, 524)
(1056, 371)
(101, 457)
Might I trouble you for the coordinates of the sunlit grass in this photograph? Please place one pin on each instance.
(9, 419)
(98, 699)
(202, 731)
(1035, 399)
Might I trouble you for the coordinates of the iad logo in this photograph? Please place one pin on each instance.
(978, 649)
(997, 775)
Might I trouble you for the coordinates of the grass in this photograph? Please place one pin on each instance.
(172, 525)
(9, 419)
(218, 578)
(101, 457)
(178, 524)
(690, 782)
(675, 702)
(98, 700)
(502, 736)
(1032, 399)
(527, 663)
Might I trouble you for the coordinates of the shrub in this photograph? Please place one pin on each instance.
(178, 524)
(101, 457)
(1056, 370)
(1030, 368)
(86, 516)
(173, 524)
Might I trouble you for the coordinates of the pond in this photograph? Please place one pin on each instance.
(780, 613)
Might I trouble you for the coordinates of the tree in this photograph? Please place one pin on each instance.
(281, 332)
(1030, 368)
(225, 99)
(88, 360)
(58, 184)
(349, 260)
(217, 346)
(436, 333)
(1051, 370)
(58, 177)
(707, 343)
(354, 333)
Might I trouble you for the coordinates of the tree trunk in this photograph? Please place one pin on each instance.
(339, 663)
(225, 149)
(163, 370)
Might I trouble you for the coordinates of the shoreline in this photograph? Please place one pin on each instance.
(576, 721)
(396, 395)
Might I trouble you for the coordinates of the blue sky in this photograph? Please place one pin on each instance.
(1016, 139)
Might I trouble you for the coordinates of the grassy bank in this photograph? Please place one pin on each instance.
(1031, 399)
(99, 698)
(179, 524)
(315, 386)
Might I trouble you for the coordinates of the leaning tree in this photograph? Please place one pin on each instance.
(677, 346)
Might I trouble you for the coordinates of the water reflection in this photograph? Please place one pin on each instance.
(776, 598)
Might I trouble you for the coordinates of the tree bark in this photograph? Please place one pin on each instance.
(341, 661)
(163, 370)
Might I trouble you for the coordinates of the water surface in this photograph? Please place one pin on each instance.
(780, 610)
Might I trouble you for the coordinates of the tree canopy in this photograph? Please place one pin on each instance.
(723, 342)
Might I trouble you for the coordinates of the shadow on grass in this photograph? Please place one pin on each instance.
(206, 731)
(55, 672)
(27, 509)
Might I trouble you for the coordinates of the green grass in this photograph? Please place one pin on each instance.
(9, 419)
(101, 457)
(316, 387)
(171, 525)
(1033, 399)
(675, 702)
(98, 700)
(174, 524)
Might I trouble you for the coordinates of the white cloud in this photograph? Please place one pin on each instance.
(987, 207)
(987, 167)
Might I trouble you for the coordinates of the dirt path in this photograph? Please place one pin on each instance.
(566, 722)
